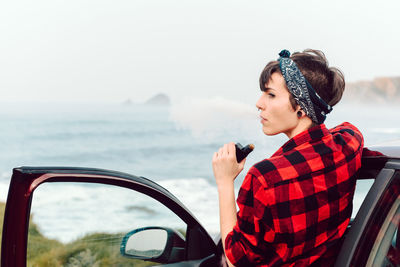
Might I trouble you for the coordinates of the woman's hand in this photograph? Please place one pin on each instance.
(226, 169)
(225, 166)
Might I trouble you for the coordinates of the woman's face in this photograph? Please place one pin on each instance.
(276, 113)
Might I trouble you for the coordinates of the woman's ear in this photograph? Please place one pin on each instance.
(299, 112)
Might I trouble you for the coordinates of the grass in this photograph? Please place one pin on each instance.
(2, 207)
(96, 249)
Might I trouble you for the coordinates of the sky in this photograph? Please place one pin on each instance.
(111, 51)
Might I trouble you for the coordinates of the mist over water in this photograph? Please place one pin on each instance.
(210, 119)
(170, 145)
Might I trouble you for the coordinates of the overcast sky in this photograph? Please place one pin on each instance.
(52, 50)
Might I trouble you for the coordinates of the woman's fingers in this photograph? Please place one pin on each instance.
(232, 149)
(215, 156)
(226, 151)
(221, 152)
(225, 166)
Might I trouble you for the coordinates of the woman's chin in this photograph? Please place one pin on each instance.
(269, 132)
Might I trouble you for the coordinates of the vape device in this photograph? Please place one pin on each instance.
(242, 152)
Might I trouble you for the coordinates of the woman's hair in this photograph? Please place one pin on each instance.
(327, 81)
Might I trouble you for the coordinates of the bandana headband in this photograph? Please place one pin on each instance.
(310, 102)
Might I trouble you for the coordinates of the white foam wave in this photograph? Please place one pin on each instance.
(67, 211)
(4, 184)
(200, 197)
(3, 191)
(58, 208)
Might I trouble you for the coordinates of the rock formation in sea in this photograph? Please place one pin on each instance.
(159, 99)
(380, 90)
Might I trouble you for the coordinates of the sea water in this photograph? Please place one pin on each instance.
(171, 145)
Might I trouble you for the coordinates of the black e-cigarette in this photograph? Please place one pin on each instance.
(242, 152)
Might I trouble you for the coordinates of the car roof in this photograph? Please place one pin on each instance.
(390, 149)
(374, 159)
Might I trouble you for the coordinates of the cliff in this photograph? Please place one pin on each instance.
(159, 100)
(379, 90)
(156, 100)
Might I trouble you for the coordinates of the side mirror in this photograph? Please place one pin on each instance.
(157, 244)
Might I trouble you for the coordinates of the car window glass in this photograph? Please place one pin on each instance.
(386, 249)
(362, 188)
(82, 224)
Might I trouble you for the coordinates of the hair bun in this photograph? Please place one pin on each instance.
(284, 53)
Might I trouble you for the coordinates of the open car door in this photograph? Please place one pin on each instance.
(145, 242)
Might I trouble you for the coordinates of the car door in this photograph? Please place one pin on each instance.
(196, 249)
(373, 239)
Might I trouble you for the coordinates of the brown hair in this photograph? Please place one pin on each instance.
(327, 81)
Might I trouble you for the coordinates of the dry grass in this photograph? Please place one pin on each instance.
(97, 250)
(2, 207)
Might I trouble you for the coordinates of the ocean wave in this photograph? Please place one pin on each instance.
(4, 184)
(200, 196)
(3, 192)
(58, 207)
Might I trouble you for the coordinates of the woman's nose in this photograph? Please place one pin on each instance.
(260, 104)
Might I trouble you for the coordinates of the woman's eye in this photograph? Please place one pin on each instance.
(271, 95)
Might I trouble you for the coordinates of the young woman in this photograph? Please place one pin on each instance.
(294, 207)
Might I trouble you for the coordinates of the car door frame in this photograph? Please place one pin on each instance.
(372, 213)
(25, 180)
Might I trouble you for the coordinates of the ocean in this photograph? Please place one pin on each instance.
(171, 145)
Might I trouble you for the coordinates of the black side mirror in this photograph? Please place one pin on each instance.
(157, 244)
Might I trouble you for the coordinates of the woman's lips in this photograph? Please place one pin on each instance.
(262, 119)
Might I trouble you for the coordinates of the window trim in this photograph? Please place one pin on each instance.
(381, 242)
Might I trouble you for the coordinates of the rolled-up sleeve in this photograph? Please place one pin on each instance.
(248, 242)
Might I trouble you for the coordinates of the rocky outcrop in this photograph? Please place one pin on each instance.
(380, 90)
(159, 100)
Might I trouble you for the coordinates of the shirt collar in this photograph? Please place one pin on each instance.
(313, 134)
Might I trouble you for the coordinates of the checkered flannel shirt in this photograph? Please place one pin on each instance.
(295, 206)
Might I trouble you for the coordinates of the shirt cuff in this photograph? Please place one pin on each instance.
(234, 250)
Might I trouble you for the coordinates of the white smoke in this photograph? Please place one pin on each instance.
(215, 117)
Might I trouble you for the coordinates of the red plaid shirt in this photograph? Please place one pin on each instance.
(295, 206)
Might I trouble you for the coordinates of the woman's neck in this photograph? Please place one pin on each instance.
(304, 124)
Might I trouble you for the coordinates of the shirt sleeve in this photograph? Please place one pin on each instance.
(248, 242)
(351, 134)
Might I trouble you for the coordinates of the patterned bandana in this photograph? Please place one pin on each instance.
(310, 102)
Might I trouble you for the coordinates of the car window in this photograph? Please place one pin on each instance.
(83, 224)
(386, 249)
(362, 188)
